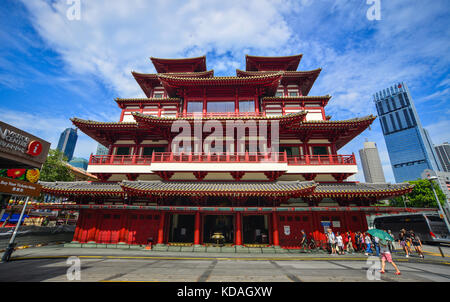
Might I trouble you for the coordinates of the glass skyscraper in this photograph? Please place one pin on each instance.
(67, 142)
(409, 145)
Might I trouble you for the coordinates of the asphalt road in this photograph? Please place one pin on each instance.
(219, 270)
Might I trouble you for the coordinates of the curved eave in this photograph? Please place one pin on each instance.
(154, 121)
(233, 189)
(341, 132)
(289, 99)
(198, 63)
(143, 101)
(172, 83)
(291, 62)
(81, 189)
(103, 132)
(361, 190)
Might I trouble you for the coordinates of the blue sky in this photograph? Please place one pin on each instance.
(53, 68)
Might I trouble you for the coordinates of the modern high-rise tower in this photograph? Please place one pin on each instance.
(371, 163)
(67, 142)
(409, 145)
(443, 153)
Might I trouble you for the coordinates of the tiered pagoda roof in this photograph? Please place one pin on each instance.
(258, 63)
(304, 79)
(197, 64)
(292, 189)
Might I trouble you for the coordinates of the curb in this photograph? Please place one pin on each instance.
(227, 258)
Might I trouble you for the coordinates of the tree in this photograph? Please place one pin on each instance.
(421, 196)
(55, 169)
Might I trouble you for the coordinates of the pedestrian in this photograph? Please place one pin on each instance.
(349, 243)
(417, 243)
(339, 244)
(390, 245)
(304, 240)
(368, 243)
(331, 241)
(386, 256)
(358, 241)
(402, 241)
(375, 243)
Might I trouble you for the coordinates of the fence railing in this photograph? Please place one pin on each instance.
(247, 157)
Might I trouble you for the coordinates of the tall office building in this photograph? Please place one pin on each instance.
(67, 142)
(101, 150)
(409, 145)
(443, 153)
(371, 163)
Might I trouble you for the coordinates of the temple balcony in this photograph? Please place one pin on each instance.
(280, 163)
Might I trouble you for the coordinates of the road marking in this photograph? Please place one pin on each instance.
(207, 272)
(283, 269)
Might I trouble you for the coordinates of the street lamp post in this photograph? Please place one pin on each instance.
(431, 178)
(10, 249)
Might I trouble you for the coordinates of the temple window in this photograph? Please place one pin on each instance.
(158, 95)
(123, 151)
(279, 93)
(319, 150)
(149, 150)
(293, 93)
(247, 106)
(195, 107)
(222, 106)
(290, 151)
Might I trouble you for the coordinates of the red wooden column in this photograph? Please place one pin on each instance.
(98, 227)
(276, 240)
(79, 228)
(161, 229)
(238, 239)
(197, 229)
(124, 227)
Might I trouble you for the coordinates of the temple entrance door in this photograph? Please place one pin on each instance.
(218, 224)
(256, 229)
(182, 228)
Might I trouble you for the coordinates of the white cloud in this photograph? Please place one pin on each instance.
(114, 37)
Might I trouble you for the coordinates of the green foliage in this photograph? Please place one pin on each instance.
(421, 196)
(54, 169)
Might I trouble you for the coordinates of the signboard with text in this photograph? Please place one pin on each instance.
(19, 148)
(18, 187)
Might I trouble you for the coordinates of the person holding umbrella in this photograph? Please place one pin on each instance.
(384, 249)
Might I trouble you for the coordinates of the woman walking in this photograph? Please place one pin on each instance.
(331, 240)
(349, 243)
(386, 256)
(417, 243)
(339, 244)
(402, 241)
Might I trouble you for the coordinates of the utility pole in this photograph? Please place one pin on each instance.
(10, 249)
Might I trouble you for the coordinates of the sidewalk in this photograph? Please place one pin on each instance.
(167, 253)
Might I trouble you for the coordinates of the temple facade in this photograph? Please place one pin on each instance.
(252, 158)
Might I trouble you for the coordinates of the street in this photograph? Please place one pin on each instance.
(102, 265)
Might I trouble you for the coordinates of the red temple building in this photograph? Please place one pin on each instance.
(147, 190)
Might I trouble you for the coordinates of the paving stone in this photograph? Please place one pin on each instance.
(228, 249)
(89, 245)
(111, 246)
(255, 250)
(174, 249)
(213, 249)
(187, 248)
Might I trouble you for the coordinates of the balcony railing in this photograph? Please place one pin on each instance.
(247, 157)
(222, 114)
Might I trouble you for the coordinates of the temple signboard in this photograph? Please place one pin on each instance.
(18, 187)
